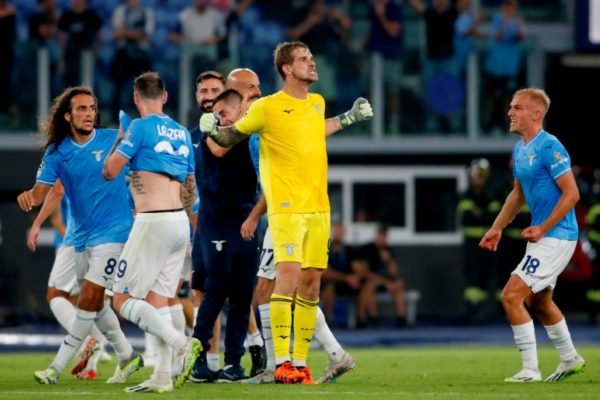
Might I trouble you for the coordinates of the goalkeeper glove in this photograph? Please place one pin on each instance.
(361, 111)
(208, 123)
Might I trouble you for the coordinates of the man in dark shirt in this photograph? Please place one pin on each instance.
(80, 27)
(383, 273)
(227, 185)
(440, 67)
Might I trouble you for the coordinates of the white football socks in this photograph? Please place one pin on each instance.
(265, 320)
(524, 336)
(561, 338)
(324, 336)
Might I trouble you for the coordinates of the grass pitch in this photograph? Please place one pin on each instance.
(382, 373)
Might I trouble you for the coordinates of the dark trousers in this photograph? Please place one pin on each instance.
(231, 264)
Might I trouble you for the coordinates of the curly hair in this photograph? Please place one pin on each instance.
(56, 128)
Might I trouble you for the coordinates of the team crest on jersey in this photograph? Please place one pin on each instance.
(218, 244)
(98, 154)
(289, 248)
(318, 108)
(531, 158)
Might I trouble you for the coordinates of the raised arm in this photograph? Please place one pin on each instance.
(361, 111)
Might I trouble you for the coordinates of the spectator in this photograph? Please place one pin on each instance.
(79, 26)
(502, 65)
(480, 266)
(42, 26)
(343, 277)
(200, 29)
(133, 26)
(323, 30)
(383, 273)
(8, 35)
(440, 67)
(386, 36)
(465, 33)
(260, 31)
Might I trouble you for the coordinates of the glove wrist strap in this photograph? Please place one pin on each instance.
(345, 119)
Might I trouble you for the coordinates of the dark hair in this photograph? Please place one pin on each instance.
(149, 85)
(210, 75)
(283, 55)
(228, 96)
(55, 126)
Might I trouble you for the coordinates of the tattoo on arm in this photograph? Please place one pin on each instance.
(188, 194)
(136, 184)
(228, 136)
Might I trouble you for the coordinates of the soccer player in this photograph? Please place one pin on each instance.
(160, 155)
(101, 220)
(63, 288)
(227, 186)
(340, 361)
(293, 171)
(543, 179)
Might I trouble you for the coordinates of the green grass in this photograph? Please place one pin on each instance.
(382, 373)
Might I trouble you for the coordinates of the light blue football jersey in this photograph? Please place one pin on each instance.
(65, 210)
(537, 165)
(156, 143)
(99, 209)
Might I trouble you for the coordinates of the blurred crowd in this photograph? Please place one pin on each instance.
(130, 36)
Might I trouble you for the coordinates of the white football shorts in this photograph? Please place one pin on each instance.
(154, 254)
(543, 262)
(266, 268)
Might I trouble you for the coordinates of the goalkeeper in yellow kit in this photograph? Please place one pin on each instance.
(293, 172)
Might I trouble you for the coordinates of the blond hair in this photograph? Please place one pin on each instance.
(537, 95)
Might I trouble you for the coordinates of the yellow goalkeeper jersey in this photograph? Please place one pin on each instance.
(293, 156)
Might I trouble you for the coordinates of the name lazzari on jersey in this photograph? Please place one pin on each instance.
(171, 133)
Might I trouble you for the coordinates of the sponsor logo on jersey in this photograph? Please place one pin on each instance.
(319, 109)
(559, 159)
(531, 158)
(288, 111)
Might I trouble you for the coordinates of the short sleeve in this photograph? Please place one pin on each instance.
(47, 172)
(132, 139)
(556, 159)
(254, 120)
